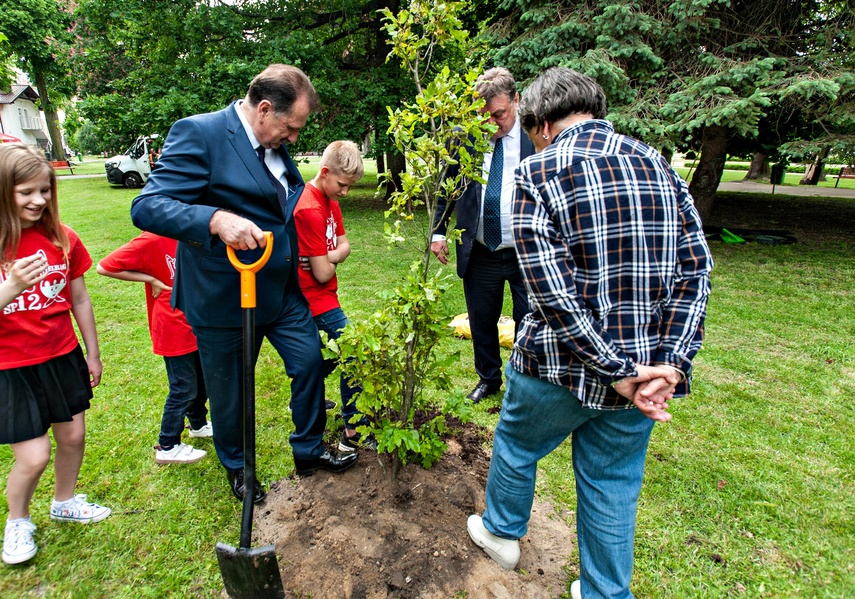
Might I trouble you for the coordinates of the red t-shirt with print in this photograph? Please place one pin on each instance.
(36, 326)
(155, 255)
(319, 224)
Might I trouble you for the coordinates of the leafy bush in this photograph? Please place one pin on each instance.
(391, 355)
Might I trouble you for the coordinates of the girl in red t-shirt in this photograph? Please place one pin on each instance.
(45, 380)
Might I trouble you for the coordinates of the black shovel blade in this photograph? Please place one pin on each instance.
(250, 573)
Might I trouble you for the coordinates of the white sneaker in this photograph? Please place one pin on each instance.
(180, 454)
(77, 509)
(576, 589)
(504, 552)
(18, 543)
(201, 432)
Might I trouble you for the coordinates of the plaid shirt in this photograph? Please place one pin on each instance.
(614, 260)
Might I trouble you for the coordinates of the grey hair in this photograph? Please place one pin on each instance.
(559, 92)
(496, 82)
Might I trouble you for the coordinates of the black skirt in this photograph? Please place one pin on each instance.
(32, 397)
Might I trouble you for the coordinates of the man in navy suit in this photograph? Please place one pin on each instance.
(223, 178)
(485, 255)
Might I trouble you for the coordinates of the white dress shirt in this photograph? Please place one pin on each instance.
(511, 151)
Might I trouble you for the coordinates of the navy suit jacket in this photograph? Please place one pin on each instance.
(208, 164)
(469, 210)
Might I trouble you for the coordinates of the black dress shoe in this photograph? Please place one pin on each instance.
(481, 391)
(238, 488)
(326, 461)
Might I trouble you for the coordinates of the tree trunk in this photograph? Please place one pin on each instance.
(51, 119)
(397, 165)
(380, 50)
(759, 168)
(668, 154)
(710, 166)
(815, 172)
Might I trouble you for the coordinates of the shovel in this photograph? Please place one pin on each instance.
(249, 573)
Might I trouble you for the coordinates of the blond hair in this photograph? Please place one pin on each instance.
(19, 163)
(343, 158)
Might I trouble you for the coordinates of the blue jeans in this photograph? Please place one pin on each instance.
(609, 449)
(186, 397)
(333, 323)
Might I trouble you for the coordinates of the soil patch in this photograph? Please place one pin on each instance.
(355, 535)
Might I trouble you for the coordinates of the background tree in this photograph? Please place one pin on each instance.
(85, 139)
(142, 65)
(155, 61)
(7, 72)
(37, 32)
(686, 72)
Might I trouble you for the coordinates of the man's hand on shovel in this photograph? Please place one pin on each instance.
(236, 231)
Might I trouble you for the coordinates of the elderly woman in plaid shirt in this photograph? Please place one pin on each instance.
(616, 266)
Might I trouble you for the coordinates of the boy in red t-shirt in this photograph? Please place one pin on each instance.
(150, 259)
(323, 245)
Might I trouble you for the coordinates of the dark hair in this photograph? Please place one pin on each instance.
(559, 92)
(495, 82)
(282, 85)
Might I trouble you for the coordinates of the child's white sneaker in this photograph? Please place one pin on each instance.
(202, 431)
(180, 454)
(77, 509)
(18, 543)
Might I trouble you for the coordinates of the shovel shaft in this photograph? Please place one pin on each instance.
(248, 426)
(247, 302)
(249, 573)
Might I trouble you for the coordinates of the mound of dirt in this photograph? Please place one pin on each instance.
(357, 535)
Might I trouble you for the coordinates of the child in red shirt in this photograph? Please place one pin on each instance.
(323, 245)
(150, 259)
(45, 380)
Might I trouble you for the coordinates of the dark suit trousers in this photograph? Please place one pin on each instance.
(484, 288)
(295, 337)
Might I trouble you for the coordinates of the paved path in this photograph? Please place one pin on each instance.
(791, 190)
(102, 175)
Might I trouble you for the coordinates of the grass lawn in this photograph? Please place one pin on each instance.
(749, 492)
(90, 165)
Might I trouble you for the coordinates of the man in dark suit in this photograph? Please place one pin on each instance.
(223, 178)
(485, 254)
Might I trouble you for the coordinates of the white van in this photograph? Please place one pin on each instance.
(132, 168)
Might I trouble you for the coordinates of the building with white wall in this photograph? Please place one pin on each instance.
(20, 117)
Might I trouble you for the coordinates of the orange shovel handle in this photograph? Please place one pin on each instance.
(247, 271)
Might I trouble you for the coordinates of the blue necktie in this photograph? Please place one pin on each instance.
(493, 199)
(281, 192)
